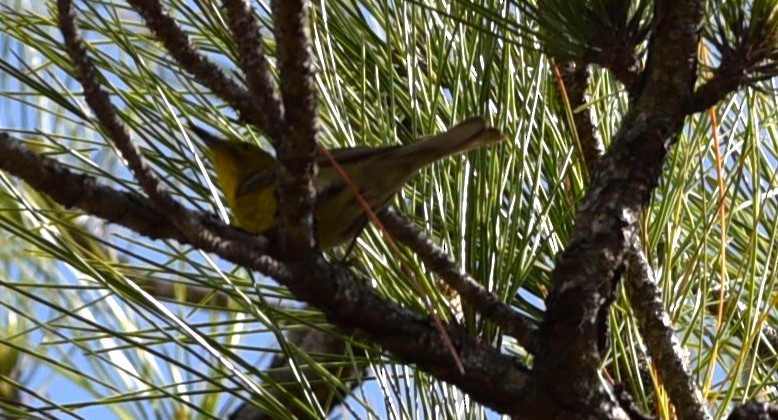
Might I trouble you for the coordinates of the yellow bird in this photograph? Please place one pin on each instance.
(247, 175)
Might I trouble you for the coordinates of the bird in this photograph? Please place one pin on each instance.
(247, 176)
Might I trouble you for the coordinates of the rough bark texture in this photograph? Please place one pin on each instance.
(573, 336)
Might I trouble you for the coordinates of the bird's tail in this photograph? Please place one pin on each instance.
(467, 135)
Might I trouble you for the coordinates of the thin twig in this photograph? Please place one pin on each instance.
(512, 322)
(106, 114)
(296, 192)
(178, 44)
(85, 192)
(659, 336)
(254, 63)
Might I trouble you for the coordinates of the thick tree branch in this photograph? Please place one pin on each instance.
(652, 318)
(574, 333)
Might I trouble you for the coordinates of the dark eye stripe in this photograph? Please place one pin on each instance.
(257, 181)
(329, 190)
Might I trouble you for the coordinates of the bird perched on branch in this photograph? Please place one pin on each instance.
(247, 175)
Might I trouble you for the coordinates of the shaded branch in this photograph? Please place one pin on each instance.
(572, 92)
(726, 79)
(754, 411)
(747, 43)
(614, 40)
(603, 33)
